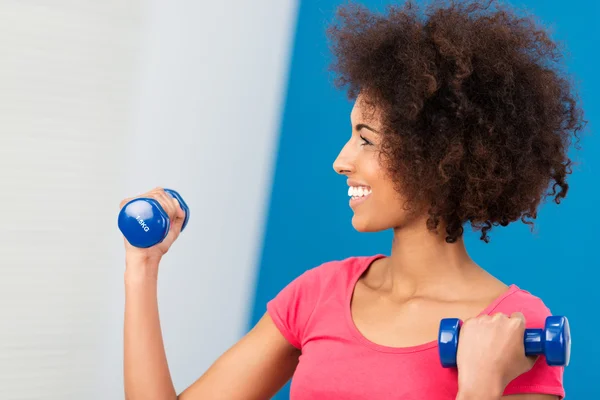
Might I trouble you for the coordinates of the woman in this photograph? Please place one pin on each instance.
(460, 117)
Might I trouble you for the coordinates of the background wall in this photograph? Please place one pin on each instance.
(105, 100)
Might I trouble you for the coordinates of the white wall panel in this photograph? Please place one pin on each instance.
(101, 100)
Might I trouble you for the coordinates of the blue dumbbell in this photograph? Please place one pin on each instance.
(554, 341)
(144, 223)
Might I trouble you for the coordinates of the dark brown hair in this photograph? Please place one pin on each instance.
(478, 117)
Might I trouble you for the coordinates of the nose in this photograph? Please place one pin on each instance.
(343, 164)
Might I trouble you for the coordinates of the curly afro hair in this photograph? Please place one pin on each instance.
(477, 116)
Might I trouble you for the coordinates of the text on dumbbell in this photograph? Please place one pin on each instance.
(145, 227)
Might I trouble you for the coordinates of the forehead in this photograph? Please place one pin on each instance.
(364, 113)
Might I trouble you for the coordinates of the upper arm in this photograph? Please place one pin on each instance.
(256, 367)
(262, 362)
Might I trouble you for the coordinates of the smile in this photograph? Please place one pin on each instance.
(358, 194)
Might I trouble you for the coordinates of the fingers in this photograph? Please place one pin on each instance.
(499, 316)
(516, 318)
(169, 204)
(518, 315)
(488, 317)
(124, 201)
(172, 208)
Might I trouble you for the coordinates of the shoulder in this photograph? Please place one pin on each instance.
(291, 309)
(339, 271)
(327, 278)
(519, 300)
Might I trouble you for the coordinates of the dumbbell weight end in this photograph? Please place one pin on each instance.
(144, 222)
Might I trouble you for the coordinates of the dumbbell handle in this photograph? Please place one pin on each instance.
(534, 342)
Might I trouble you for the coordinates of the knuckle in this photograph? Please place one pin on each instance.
(176, 204)
(156, 191)
(159, 200)
(499, 316)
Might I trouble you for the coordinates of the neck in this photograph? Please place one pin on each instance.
(423, 262)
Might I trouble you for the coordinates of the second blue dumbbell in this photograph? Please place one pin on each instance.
(554, 341)
(144, 223)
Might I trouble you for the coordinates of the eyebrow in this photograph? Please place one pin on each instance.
(358, 127)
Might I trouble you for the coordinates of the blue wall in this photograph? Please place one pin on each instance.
(309, 219)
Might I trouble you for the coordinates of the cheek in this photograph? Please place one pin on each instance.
(374, 173)
(387, 201)
(383, 186)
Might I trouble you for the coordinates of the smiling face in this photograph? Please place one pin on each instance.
(376, 204)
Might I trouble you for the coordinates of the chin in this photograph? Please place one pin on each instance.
(362, 224)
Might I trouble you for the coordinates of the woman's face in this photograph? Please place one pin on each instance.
(376, 204)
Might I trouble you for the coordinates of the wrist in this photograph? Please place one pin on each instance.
(480, 390)
(476, 396)
(140, 269)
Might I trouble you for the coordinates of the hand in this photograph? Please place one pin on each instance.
(491, 353)
(135, 255)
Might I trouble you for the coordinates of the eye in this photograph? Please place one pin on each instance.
(365, 142)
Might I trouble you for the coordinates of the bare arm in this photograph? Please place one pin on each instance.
(511, 397)
(254, 368)
(530, 397)
(146, 371)
(486, 391)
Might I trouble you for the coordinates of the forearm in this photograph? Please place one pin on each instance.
(146, 372)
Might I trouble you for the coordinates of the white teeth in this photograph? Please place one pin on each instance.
(358, 191)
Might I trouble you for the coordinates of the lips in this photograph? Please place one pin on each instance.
(356, 183)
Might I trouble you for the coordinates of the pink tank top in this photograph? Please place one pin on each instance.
(337, 362)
